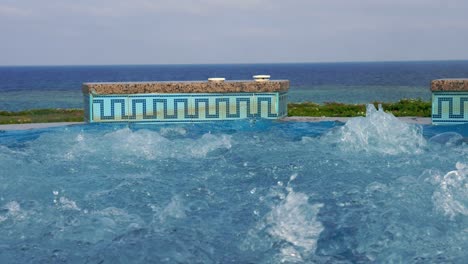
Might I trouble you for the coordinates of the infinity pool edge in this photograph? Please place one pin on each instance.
(411, 120)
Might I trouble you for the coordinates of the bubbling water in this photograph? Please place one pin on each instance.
(294, 222)
(379, 132)
(373, 190)
(291, 223)
(451, 194)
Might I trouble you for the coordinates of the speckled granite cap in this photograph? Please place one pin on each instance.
(449, 85)
(186, 87)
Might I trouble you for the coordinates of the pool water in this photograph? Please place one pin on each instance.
(373, 190)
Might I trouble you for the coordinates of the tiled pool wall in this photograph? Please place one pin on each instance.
(185, 107)
(449, 101)
(449, 108)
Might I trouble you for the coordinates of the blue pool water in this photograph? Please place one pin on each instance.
(60, 86)
(372, 190)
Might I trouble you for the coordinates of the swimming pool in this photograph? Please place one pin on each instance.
(371, 190)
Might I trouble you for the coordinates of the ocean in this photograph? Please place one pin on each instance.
(33, 87)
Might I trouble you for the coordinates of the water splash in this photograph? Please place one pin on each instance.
(379, 132)
(292, 223)
(449, 139)
(152, 145)
(126, 144)
(209, 143)
(451, 195)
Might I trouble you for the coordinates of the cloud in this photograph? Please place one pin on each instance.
(10, 11)
(130, 8)
(190, 31)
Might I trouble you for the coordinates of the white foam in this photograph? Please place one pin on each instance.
(451, 195)
(142, 143)
(208, 143)
(292, 224)
(379, 132)
(294, 220)
(152, 145)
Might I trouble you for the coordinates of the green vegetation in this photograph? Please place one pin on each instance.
(41, 116)
(406, 107)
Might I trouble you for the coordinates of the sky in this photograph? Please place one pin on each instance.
(102, 32)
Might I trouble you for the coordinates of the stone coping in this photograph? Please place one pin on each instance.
(185, 87)
(449, 85)
(29, 126)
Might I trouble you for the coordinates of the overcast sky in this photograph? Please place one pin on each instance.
(67, 32)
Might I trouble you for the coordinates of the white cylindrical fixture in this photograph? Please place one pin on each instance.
(261, 78)
(216, 79)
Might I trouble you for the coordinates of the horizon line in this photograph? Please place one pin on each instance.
(229, 63)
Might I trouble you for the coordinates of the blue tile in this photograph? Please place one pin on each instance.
(449, 107)
(186, 107)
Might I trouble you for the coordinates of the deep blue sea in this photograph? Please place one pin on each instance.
(26, 87)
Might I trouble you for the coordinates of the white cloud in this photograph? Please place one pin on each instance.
(11, 11)
(190, 31)
(127, 8)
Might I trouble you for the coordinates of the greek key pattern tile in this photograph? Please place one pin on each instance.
(449, 107)
(186, 107)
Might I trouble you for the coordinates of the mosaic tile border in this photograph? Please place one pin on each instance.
(185, 107)
(449, 107)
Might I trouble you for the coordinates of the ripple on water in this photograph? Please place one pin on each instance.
(373, 190)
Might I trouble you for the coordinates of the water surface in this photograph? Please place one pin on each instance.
(372, 190)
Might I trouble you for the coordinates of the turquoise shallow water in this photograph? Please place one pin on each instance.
(372, 190)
